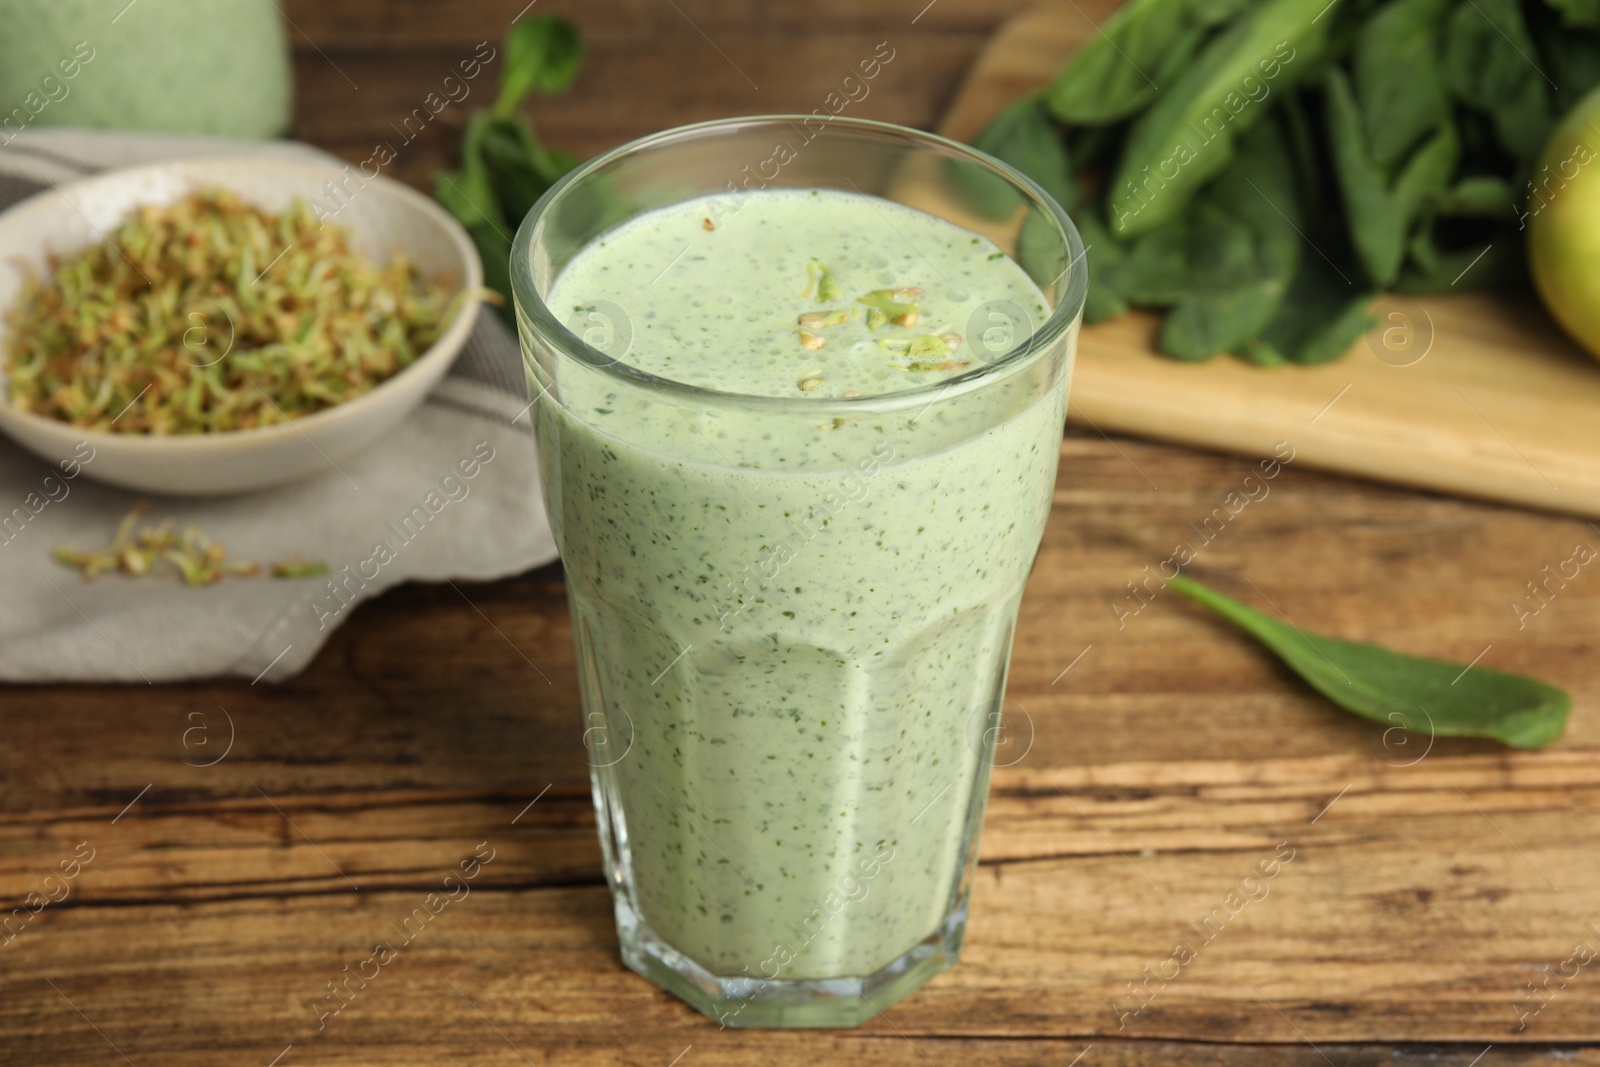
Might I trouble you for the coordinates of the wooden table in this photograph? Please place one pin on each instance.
(1149, 769)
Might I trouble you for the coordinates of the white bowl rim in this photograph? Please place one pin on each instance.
(447, 346)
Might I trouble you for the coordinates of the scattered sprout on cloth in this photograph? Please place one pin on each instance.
(199, 559)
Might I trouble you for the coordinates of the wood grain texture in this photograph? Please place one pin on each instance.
(1498, 404)
(1140, 788)
(393, 26)
(1152, 759)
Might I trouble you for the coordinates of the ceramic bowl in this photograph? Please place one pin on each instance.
(382, 216)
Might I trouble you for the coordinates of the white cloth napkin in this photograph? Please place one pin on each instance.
(412, 513)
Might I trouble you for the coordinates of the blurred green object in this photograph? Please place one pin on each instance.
(183, 66)
(504, 168)
(1259, 172)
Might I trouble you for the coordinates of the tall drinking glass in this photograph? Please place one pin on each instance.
(793, 615)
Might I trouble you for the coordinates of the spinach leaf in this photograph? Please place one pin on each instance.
(1024, 137)
(1240, 230)
(1426, 176)
(1381, 217)
(1584, 13)
(1121, 69)
(469, 195)
(1039, 251)
(1198, 329)
(1106, 260)
(1398, 78)
(1375, 224)
(504, 168)
(1422, 695)
(1494, 261)
(1225, 263)
(1319, 318)
(1188, 135)
(1571, 49)
(1493, 66)
(1305, 150)
(1094, 150)
(1204, 251)
(1216, 12)
(1410, 127)
(1324, 309)
(1482, 196)
(520, 169)
(542, 55)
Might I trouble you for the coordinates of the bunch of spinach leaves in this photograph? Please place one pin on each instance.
(504, 167)
(1262, 169)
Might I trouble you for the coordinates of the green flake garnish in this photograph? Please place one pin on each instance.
(820, 279)
(898, 306)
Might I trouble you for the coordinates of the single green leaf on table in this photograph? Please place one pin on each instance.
(1423, 695)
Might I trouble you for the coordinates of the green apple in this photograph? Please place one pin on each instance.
(1562, 216)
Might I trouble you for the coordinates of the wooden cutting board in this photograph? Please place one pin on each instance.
(1468, 393)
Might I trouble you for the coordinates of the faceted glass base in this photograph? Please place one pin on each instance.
(746, 1002)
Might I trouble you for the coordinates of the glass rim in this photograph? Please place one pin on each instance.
(530, 304)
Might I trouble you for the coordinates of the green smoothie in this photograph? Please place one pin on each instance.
(794, 625)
